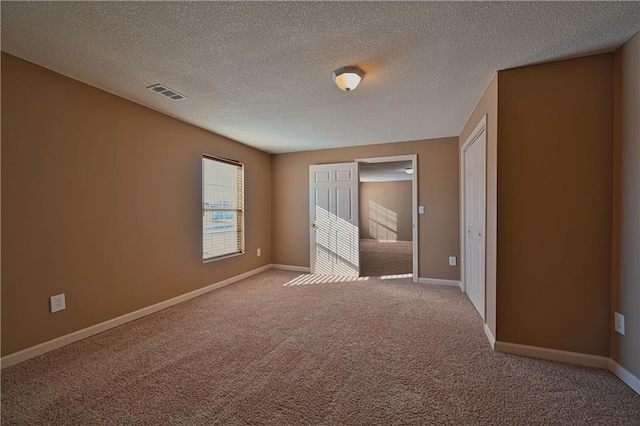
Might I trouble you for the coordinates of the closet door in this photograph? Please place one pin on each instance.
(475, 195)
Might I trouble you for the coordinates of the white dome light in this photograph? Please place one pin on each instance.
(348, 78)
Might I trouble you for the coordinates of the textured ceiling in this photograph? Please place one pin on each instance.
(260, 73)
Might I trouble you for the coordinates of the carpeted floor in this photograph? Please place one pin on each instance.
(371, 351)
(385, 258)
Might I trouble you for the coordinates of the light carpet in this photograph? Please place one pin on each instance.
(385, 258)
(367, 352)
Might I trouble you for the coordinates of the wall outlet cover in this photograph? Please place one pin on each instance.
(453, 260)
(258, 252)
(57, 303)
(420, 209)
(618, 322)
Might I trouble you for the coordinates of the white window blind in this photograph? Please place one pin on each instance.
(222, 208)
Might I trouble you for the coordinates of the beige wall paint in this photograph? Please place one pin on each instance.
(626, 205)
(101, 201)
(437, 191)
(488, 106)
(555, 129)
(392, 202)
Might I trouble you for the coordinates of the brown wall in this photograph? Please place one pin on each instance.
(488, 106)
(626, 205)
(555, 128)
(101, 201)
(393, 196)
(437, 191)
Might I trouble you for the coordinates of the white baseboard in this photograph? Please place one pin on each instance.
(34, 351)
(437, 281)
(304, 269)
(569, 357)
(552, 354)
(625, 375)
(511, 348)
(492, 340)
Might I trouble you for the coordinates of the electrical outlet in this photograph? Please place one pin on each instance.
(420, 209)
(453, 261)
(618, 322)
(57, 303)
(258, 252)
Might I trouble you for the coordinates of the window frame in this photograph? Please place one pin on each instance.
(240, 211)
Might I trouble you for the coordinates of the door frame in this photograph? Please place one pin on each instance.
(480, 127)
(414, 197)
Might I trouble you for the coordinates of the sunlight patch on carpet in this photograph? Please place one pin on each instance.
(322, 279)
(396, 276)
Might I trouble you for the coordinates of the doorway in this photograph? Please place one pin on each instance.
(334, 206)
(389, 216)
(386, 228)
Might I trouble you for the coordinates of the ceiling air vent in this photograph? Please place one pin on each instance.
(165, 91)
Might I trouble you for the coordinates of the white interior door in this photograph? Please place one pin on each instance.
(475, 194)
(333, 211)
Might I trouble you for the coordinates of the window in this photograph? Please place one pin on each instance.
(222, 208)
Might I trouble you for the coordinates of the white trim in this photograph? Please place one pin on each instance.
(414, 202)
(480, 127)
(388, 159)
(564, 356)
(414, 198)
(385, 241)
(552, 354)
(492, 340)
(625, 375)
(437, 281)
(67, 339)
(226, 256)
(304, 269)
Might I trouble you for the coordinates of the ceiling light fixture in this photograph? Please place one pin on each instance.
(408, 171)
(348, 78)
